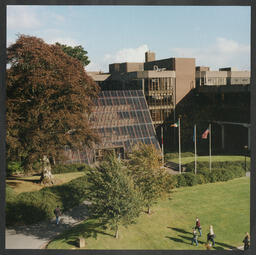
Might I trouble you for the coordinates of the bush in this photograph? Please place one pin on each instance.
(32, 207)
(14, 167)
(10, 194)
(59, 169)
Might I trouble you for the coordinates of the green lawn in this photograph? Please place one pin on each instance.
(31, 183)
(224, 205)
(186, 160)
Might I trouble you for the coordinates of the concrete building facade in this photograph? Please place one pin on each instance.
(225, 76)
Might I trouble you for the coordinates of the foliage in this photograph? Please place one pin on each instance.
(14, 167)
(49, 98)
(112, 194)
(10, 194)
(144, 166)
(224, 165)
(77, 52)
(225, 171)
(32, 207)
(58, 169)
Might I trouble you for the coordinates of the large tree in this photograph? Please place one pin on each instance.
(49, 98)
(145, 167)
(112, 194)
(77, 52)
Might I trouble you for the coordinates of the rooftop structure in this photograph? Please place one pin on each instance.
(225, 76)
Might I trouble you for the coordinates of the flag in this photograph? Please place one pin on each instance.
(175, 124)
(205, 134)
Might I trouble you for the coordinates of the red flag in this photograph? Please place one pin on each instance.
(205, 134)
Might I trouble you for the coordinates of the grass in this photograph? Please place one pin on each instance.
(186, 160)
(31, 183)
(224, 205)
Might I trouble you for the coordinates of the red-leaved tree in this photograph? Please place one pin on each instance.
(49, 98)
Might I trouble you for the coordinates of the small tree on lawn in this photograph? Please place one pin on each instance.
(144, 166)
(112, 194)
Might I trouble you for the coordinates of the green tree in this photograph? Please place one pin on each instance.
(150, 178)
(114, 199)
(49, 98)
(77, 52)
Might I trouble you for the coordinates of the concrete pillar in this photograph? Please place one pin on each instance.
(222, 137)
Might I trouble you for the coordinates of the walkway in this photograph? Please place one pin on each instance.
(38, 235)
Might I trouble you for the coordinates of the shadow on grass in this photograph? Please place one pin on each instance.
(178, 240)
(23, 179)
(87, 229)
(180, 230)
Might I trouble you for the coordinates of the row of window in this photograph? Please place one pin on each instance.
(135, 102)
(119, 118)
(156, 84)
(124, 132)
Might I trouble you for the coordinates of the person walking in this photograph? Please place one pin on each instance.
(198, 226)
(57, 213)
(211, 235)
(194, 238)
(246, 241)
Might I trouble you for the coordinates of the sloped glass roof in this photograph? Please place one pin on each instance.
(122, 119)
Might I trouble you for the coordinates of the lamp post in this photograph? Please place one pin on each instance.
(245, 153)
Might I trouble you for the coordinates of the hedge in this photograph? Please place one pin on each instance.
(32, 207)
(190, 167)
(225, 171)
(58, 169)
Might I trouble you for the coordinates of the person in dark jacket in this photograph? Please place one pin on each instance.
(198, 226)
(57, 213)
(246, 241)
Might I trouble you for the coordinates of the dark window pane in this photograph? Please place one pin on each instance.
(140, 117)
(113, 93)
(133, 93)
(122, 101)
(143, 103)
(140, 93)
(146, 116)
(115, 101)
(151, 130)
(120, 93)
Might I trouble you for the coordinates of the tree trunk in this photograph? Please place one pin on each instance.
(46, 175)
(149, 210)
(116, 234)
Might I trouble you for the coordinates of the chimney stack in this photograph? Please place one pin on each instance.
(150, 56)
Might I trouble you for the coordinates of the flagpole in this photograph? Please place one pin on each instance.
(210, 147)
(162, 137)
(179, 149)
(195, 146)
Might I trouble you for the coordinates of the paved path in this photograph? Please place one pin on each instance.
(38, 235)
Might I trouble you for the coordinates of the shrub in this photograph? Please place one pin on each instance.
(58, 169)
(14, 167)
(32, 207)
(181, 181)
(191, 179)
(10, 194)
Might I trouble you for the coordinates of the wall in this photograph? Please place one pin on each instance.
(185, 77)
